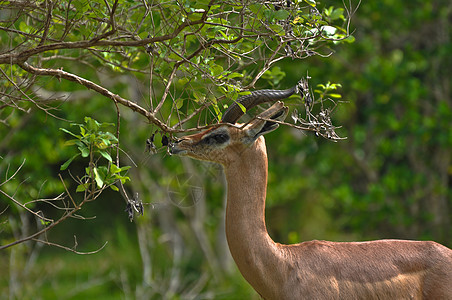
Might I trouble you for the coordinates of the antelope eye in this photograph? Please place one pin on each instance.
(218, 138)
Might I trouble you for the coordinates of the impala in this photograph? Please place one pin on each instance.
(382, 269)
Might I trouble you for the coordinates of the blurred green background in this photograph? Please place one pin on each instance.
(391, 177)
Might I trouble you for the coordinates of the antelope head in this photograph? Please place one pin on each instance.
(223, 143)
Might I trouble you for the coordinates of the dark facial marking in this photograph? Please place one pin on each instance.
(215, 138)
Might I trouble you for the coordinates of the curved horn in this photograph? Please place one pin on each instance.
(234, 112)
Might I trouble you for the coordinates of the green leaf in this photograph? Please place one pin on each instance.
(337, 96)
(179, 103)
(112, 137)
(215, 69)
(114, 169)
(350, 39)
(310, 2)
(106, 124)
(125, 168)
(102, 143)
(225, 36)
(328, 11)
(257, 9)
(278, 29)
(183, 81)
(106, 155)
(218, 113)
(82, 187)
(234, 75)
(124, 179)
(114, 188)
(91, 138)
(92, 124)
(24, 27)
(329, 30)
(281, 14)
(80, 6)
(44, 222)
(243, 108)
(274, 75)
(73, 134)
(198, 96)
(84, 150)
(337, 13)
(71, 142)
(68, 162)
(97, 178)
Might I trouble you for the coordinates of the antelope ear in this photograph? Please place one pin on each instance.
(258, 126)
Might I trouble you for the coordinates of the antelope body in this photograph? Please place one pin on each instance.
(382, 269)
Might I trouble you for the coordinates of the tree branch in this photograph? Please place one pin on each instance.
(97, 88)
(21, 57)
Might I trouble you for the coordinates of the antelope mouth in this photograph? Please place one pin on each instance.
(177, 151)
(280, 115)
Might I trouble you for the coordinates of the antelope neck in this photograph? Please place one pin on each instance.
(251, 247)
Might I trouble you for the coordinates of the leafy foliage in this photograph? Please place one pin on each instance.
(92, 141)
(195, 54)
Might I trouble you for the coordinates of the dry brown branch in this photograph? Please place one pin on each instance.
(69, 212)
(70, 249)
(93, 86)
(36, 214)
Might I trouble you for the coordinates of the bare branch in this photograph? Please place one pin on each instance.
(70, 249)
(95, 87)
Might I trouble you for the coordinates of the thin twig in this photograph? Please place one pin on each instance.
(70, 249)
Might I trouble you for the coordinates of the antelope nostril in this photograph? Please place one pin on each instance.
(174, 149)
